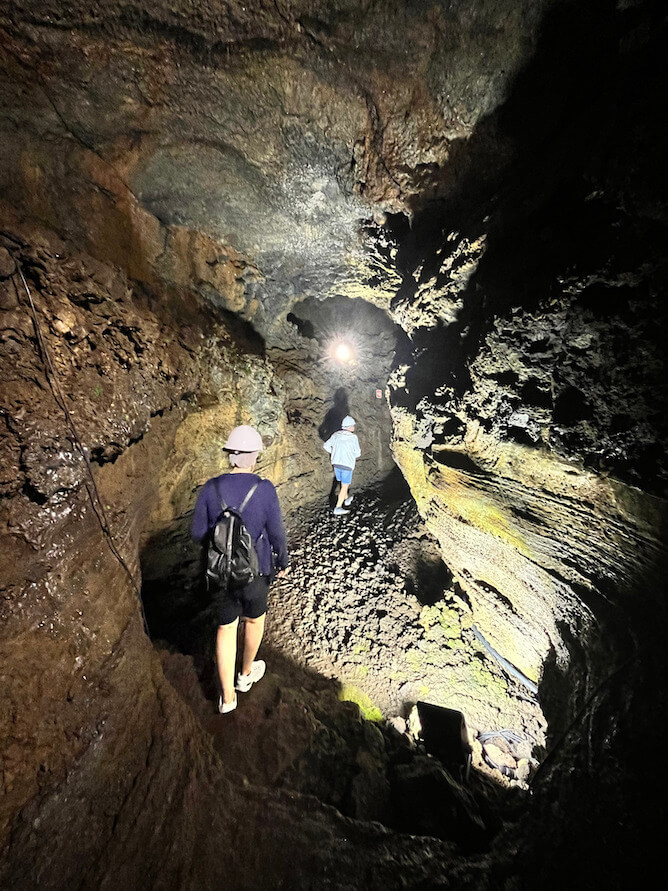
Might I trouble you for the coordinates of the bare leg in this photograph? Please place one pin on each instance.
(226, 656)
(253, 631)
(343, 494)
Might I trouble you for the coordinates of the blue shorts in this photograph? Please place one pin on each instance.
(344, 475)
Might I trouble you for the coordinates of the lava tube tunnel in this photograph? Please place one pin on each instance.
(395, 274)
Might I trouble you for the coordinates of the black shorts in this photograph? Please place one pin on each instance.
(249, 602)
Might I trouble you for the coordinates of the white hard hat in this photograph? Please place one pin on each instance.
(347, 422)
(244, 439)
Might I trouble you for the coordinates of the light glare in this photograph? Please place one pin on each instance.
(342, 352)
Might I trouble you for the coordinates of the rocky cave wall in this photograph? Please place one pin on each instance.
(285, 135)
(546, 407)
(107, 775)
(177, 181)
(535, 443)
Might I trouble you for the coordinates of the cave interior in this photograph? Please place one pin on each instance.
(201, 205)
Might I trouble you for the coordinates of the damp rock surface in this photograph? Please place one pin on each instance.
(287, 133)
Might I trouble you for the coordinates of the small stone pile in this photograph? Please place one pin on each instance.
(508, 753)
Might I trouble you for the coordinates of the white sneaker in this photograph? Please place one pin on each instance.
(340, 511)
(246, 681)
(349, 500)
(226, 707)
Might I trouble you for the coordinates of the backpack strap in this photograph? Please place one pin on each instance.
(248, 497)
(243, 504)
(223, 505)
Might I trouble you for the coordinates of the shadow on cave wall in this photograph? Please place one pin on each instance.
(601, 705)
(335, 415)
(563, 179)
(431, 578)
(405, 790)
(176, 603)
(611, 812)
(603, 655)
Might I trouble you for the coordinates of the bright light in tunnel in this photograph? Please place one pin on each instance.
(342, 352)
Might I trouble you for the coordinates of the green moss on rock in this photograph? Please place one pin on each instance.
(350, 693)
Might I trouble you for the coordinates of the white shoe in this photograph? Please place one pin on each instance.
(349, 500)
(340, 511)
(225, 707)
(246, 681)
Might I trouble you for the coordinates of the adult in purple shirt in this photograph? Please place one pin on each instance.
(262, 516)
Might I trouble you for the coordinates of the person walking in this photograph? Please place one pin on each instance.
(257, 502)
(344, 449)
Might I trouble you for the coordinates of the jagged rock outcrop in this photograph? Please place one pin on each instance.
(529, 412)
(530, 437)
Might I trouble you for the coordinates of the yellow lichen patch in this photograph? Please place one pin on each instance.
(515, 525)
(441, 622)
(469, 504)
(453, 492)
(361, 648)
(357, 287)
(410, 460)
(350, 693)
(449, 489)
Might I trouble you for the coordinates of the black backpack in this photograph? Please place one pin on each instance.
(231, 558)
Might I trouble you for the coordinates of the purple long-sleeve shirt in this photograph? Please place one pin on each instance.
(262, 514)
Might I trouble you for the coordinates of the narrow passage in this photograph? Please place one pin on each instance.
(369, 615)
(370, 603)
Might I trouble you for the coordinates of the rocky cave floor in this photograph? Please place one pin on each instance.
(367, 623)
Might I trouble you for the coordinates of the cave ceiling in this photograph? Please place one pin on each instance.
(295, 134)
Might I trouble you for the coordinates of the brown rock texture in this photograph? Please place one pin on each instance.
(105, 770)
(281, 131)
